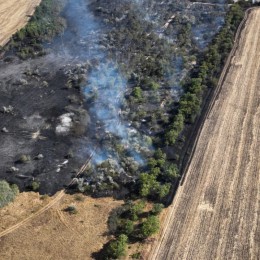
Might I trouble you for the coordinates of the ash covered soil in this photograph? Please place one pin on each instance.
(33, 97)
(77, 101)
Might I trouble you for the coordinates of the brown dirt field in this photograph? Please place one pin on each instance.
(215, 214)
(13, 16)
(55, 234)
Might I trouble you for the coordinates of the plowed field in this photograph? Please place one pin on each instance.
(215, 214)
(14, 14)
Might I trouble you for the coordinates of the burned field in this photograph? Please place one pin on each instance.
(106, 89)
(30, 140)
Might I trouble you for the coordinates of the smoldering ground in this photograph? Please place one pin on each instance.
(71, 104)
(52, 124)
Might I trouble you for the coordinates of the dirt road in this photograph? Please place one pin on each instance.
(13, 16)
(215, 214)
(55, 234)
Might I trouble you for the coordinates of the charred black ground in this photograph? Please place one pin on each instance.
(107, 87)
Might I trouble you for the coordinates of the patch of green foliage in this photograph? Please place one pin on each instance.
(130, 217)
(117, 248)
(156, 182)
(136, 209)
(7, 193)
(35, 185)
(150, 226)
(157, 208)
(43, 26)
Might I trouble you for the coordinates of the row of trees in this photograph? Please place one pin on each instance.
(206, 76)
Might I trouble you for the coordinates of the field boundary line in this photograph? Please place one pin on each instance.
(51, 203)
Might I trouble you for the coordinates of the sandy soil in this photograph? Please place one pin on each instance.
(13, 16)
(55, 234)
(215, 214)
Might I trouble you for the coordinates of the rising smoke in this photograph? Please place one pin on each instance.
(104, 91)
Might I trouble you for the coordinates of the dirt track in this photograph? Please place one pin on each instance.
(215, 214)
(13, 16)
(55, 234)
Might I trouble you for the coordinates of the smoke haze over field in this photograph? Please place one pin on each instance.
(106, 86)
(83, 91)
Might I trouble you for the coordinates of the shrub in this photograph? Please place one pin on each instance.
(157, 208)
(137, 93)
(24, 158)
(35, 186)
(150, 226)
(115, 217)
(154, 85)
(136, 255)
(71, 210)
(147, 184)
(171, 172)
(127, 227)
(117, 248)
(7, 193)
(136, 210)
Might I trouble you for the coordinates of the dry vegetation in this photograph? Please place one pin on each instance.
(14, 14)
(215, 214)
(55, 234)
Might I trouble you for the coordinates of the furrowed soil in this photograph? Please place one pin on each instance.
(215, 213)
(14, 14)
(55, 234)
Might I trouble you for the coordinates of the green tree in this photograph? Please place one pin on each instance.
(117, 248)
(7, 193)
(137, 93)
(163, 190)
(171, 172)
(148, 183)
(175, 129)
(189, 104)
(160, 157)
(136, 209)
(150, 226)
(127, 227)
(157, 208)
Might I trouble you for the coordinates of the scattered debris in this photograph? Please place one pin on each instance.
(65, 123)
(35, 135)
(8, 110)
(14, 169)
(65, 162)
(45, 84)
(5, 130)
(23, 82)
(39, 157)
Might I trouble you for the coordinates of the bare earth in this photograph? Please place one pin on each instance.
(55, 234)
(13, 16)
(215, 214)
